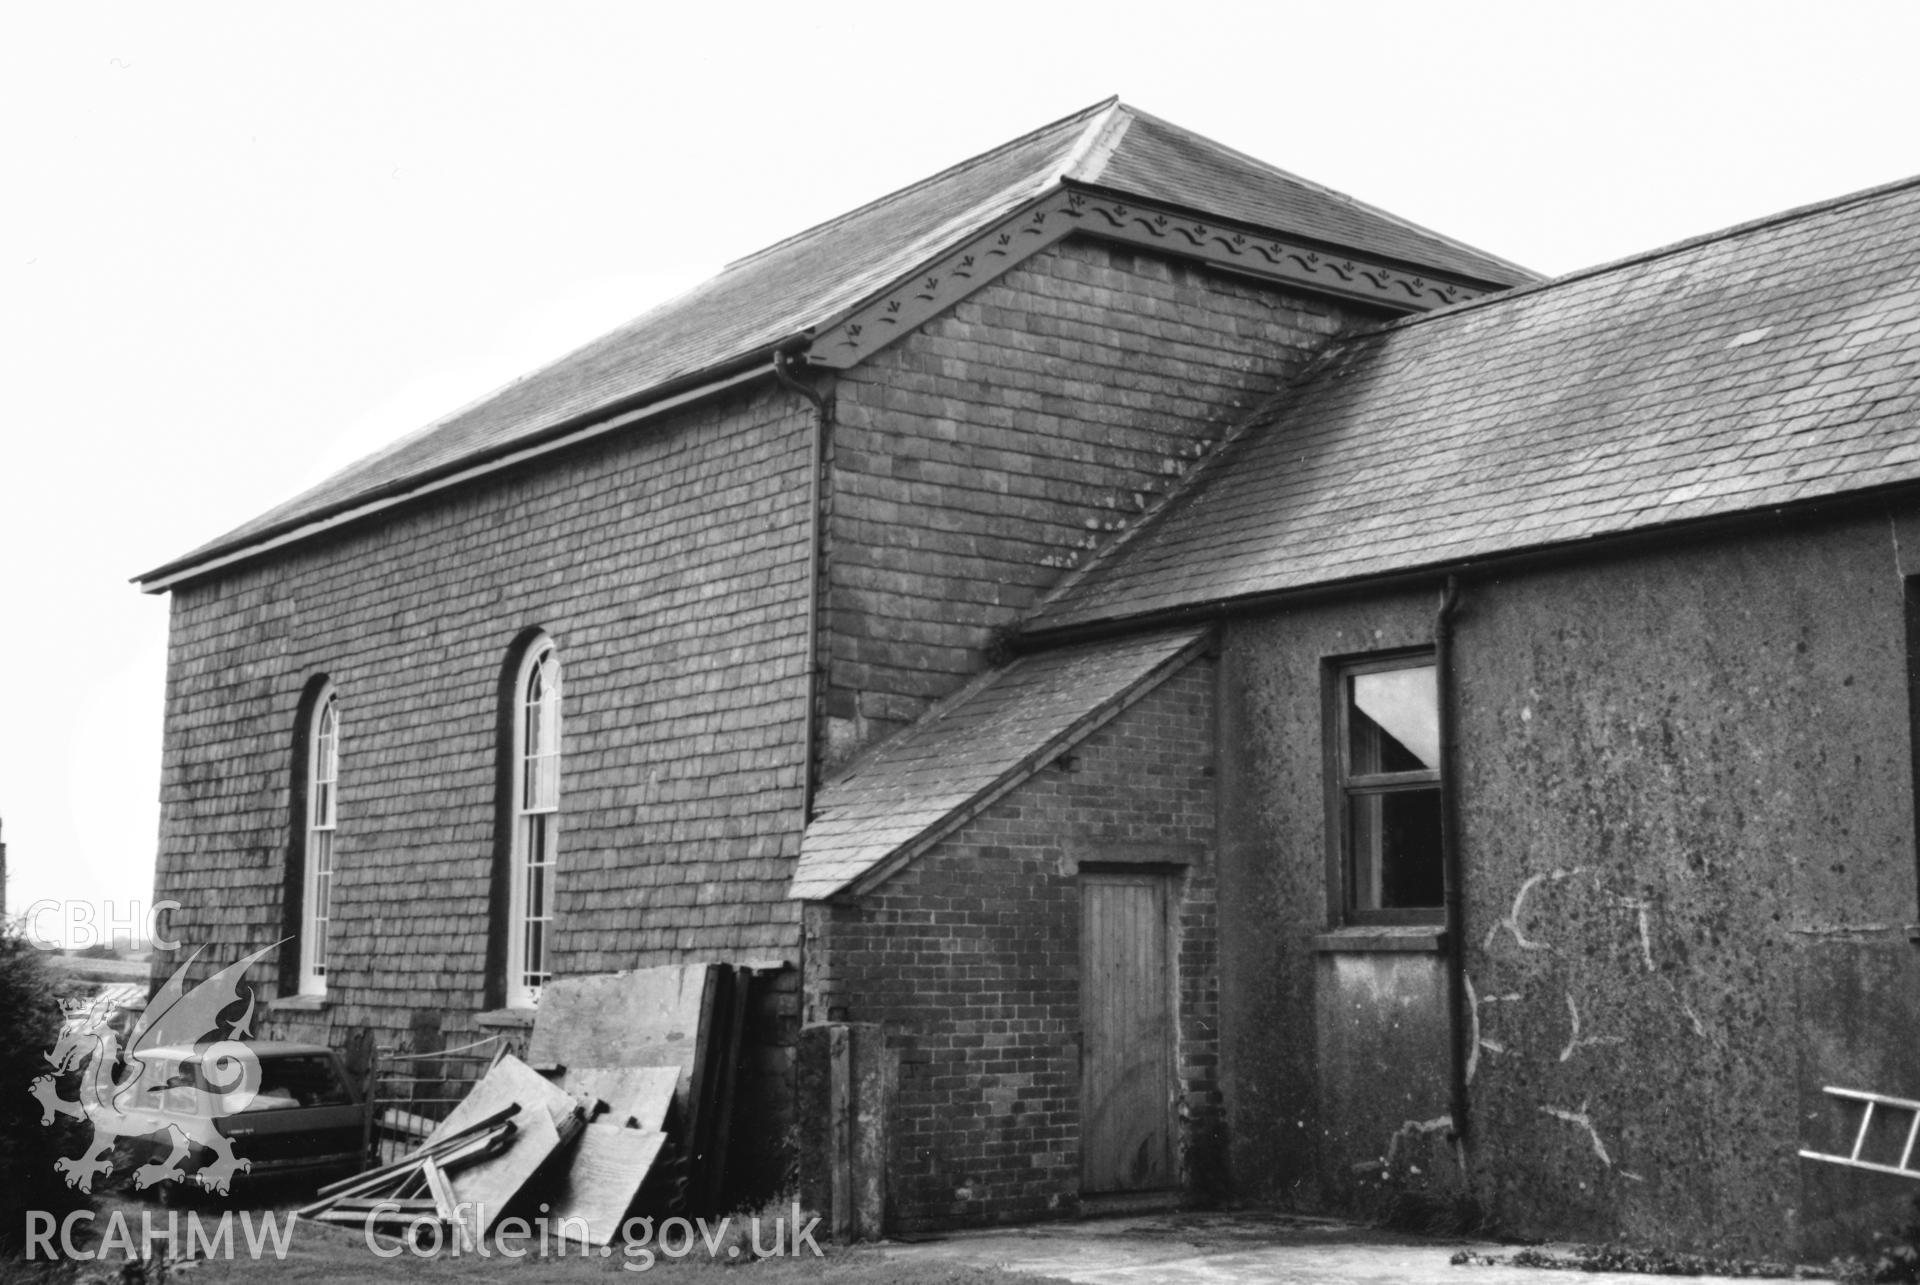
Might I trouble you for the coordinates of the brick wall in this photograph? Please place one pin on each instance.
(978, 458)
(970, 958)
(667, 563)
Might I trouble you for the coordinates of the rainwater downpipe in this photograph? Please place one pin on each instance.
(783, 362)
(1458, 1017)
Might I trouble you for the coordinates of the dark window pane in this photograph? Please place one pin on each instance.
(1395, 861)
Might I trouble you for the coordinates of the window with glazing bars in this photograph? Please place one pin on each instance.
(323, 779)
(536, 824)
(1384, 802)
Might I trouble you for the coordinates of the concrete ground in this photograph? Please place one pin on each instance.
(1227, 1249)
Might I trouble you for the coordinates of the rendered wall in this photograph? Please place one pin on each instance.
(969, 957)
(1688, 833)
(1324, 1057)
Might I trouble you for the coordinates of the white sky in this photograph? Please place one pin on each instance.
(241, 245)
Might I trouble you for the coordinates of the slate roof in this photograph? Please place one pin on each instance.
(908, 792)
(1162, 162)
(780, 295)
(1773, 363)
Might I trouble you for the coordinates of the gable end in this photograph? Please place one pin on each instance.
(1165, 229)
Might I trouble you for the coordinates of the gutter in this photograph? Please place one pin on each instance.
(1421, 579)
(604, 419)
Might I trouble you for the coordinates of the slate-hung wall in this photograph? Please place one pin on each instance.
(1688, 833)
(978, 458)
(970, 957)
(668, 563)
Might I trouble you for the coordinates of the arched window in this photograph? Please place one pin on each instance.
(322, 790)
(536, 823)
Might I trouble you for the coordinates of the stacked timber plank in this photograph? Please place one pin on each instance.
(624, 1103)
(394, 1195)
(689, 1018)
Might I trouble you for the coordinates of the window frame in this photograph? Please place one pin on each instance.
(1343, 786)
(319, 830)
(534, 831)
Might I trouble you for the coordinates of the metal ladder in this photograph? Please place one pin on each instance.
(1906, 1168)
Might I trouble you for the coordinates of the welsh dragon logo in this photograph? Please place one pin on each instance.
(181, 1072)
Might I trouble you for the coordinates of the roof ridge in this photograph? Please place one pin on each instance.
(1796, 214)
(1097, 146)
(969, 163)
(1336, 194)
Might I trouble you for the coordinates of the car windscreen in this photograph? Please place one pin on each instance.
(292, 1080)
(302, 1080)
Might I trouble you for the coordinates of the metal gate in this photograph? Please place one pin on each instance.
(409, 1092)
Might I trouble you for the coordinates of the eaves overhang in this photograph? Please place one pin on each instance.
(1491, 566)
(563, 435)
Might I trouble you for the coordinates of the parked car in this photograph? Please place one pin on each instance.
(305, 1119)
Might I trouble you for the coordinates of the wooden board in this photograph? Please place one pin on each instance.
(510, 1081)
(608, 1168)
(445, 1203)
(637, 1095)
(658, 1017)
(647, 1017)
(486, 1187)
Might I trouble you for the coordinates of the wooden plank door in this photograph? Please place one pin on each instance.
(1127, 1034)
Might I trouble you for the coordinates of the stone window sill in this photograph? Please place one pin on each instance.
(298, 1004)
(520, 1019)
(1366, 938)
